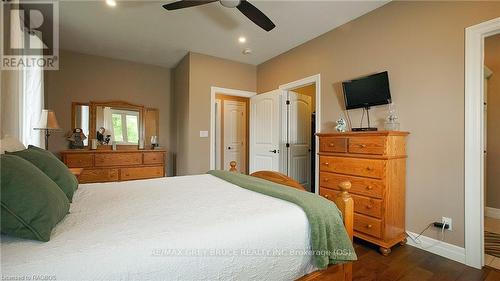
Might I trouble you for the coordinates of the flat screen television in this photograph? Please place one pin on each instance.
(367, 91)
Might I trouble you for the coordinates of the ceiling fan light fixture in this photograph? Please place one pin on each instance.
(230, 3)
(247, 51)
(245, 7)
(111, 3)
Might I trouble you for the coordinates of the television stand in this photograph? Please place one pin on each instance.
(365, 129)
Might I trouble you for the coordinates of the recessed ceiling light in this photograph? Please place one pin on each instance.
(242, 39)
(111, 3)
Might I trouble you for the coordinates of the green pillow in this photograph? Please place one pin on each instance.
(42, 150)
(32, 204)
(52, 167)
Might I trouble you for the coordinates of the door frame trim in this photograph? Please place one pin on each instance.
(474, 140)
(229, 92)
(313, 79)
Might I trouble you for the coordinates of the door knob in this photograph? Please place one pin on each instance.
(273, 151)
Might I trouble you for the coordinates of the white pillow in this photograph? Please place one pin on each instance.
(10, 144)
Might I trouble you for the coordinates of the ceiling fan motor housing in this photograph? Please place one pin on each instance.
(230, 3)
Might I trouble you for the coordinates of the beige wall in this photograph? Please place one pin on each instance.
(492, 60)
(205, 72)
(181, 120)
(82, 78)
(421, 44)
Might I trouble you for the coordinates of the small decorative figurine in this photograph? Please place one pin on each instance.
(76, 139)
(101, 138)
(341, 125)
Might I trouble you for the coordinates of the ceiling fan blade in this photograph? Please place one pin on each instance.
(255, 15)
(186, 4)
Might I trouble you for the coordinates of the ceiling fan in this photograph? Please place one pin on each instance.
(249, 10)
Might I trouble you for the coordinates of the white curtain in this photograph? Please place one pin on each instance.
(108, 123)
(22, 96)
(84, 121)
(32, 104)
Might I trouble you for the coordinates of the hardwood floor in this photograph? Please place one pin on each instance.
(409, 263)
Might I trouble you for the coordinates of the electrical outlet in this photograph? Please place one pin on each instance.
(447, 221)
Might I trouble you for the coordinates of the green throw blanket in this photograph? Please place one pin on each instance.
(329, 240)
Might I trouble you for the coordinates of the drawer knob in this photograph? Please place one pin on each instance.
(326, 163)
(369, 169)
(362, 145)
(331, 144)
(369, 187)
(326, 179)
(326, 196)
(369, 206)
(369, 226)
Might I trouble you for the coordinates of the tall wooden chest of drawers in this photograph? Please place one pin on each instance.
(116, 165)
(375, 164)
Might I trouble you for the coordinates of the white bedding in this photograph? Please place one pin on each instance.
(128, 231)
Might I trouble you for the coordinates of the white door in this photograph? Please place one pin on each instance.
(299, 138)
(265, 131)
(235, 128)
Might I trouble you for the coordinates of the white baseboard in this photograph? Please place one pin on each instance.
(439, 248)
(492, 213)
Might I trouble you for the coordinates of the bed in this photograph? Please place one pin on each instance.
(180, 228)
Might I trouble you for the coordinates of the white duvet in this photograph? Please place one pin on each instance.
(180, 228)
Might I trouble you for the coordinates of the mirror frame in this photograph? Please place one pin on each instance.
(118, 105)
(73, 115)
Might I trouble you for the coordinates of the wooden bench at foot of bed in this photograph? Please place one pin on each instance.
(340, 272)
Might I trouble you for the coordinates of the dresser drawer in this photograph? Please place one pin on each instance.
(98, 175)
(141, 173)
(372, 168)
(153, 158)
(367, 145)
(329, 144)
(118, 159)
(329, 194)
(362, 204)
(368, 206)
(78, 160)
(368, 225)
(362, 186)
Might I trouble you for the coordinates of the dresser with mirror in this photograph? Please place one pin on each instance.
(118, 145)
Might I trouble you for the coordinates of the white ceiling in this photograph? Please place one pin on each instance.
(143, 31)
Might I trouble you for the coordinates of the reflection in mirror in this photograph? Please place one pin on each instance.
(118, 125)
(81, 116)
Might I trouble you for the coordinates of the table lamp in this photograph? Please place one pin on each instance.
(47, 123)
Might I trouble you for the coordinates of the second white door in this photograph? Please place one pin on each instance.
(234, 134)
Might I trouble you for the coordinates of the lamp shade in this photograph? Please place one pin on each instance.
(48, 121)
